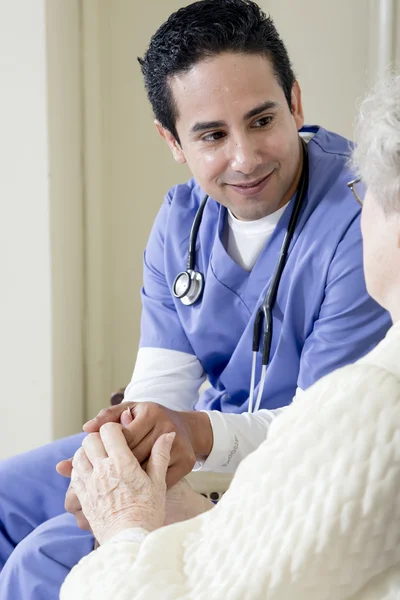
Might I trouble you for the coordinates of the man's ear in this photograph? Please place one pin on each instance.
(297, 105)
(172, 142)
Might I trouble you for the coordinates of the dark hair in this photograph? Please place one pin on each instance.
(204, 29)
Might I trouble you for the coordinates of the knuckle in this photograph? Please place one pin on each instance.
(105, 413)
(163, 456)
(109, 427)
(79, 454)
(75, 458)
(89, 439)
(146, 408)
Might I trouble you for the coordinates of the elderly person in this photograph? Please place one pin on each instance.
(323, 520)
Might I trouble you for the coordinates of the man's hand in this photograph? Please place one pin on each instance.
(183, 503)
(149, 421)
(143, 424)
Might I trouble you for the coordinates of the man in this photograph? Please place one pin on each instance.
(227, 103)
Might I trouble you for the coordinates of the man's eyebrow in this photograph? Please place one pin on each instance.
(269, 105)
(257, 110)
(204, 126)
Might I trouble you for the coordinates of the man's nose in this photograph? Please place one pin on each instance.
(244, 155)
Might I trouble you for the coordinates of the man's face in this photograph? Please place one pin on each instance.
(237, 133)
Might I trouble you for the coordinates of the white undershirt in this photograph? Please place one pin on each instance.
(173, 378)
(244, 240)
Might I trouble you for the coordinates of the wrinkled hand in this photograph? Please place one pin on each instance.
(149, 421)
(73, 506)
(181, 503)
(194, 437)
(71, 503)
(124, 414)
(114, 491)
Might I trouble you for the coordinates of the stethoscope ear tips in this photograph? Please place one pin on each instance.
(188, 286)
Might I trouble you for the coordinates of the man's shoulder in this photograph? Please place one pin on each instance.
(187, 195)
(329, 197)
(327, 142)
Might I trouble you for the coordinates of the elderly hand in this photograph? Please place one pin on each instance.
(149, 421)
(114, 491)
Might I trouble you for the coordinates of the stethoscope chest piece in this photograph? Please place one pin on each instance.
(188, 286)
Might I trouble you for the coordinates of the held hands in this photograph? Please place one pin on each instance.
(114, 491)
(143, 425)
(150, 420)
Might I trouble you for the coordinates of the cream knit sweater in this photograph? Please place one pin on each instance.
(313, 514)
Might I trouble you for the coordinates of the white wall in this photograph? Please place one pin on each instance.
(337, 49)
(329, 46)
(40, 319)
(25, 299)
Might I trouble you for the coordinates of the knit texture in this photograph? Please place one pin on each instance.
(313, 514)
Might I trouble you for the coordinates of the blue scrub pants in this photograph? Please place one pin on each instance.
(39, 541)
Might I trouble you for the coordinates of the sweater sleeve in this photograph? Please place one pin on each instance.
(312, 514)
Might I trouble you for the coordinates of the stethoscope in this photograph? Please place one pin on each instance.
(188, 285)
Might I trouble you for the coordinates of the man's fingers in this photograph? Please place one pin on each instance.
(107, 415)
(64, 467)
(114, 441)
(143, 450)
(160, 457)
(136, 432)
(126, 418)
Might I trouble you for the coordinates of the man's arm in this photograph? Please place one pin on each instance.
(349, 324)
(168, 377)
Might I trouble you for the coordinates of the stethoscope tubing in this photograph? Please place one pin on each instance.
(263, 319)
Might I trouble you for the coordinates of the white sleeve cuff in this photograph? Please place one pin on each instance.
(235, 437)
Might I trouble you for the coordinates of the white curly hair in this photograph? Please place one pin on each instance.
(376, 158)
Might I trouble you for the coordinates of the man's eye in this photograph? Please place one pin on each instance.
(214, 137)
(264, 122)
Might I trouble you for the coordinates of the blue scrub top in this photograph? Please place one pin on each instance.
(323, 317)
